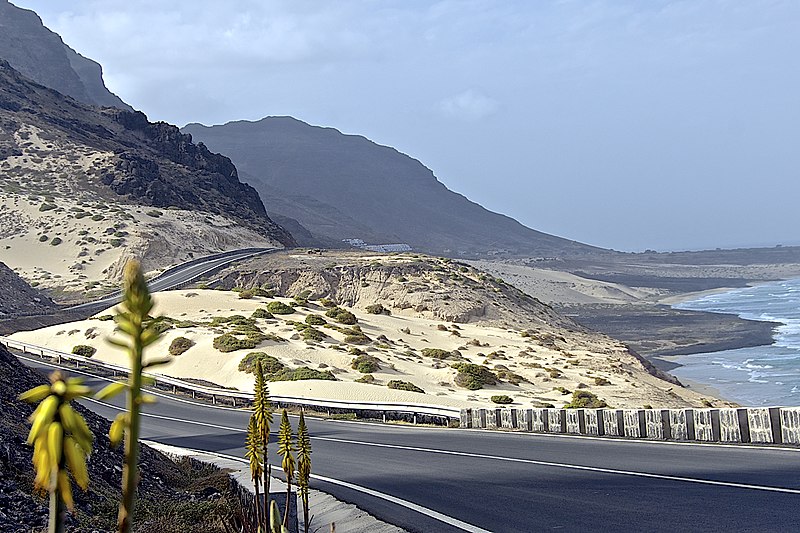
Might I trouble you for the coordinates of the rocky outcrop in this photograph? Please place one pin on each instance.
(429, 287)
(42, 56)
(19, 298)
(151, 164)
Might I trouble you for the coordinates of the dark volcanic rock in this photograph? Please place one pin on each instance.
(42, 56)
(154, 164)
(17, 297)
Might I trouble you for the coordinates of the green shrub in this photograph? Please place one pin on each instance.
(584, 399)
(180, 345)
(311, 334)
(84, 350)
(98, 218)
(358, 338)
(366, 364)
(508, 375)
(327, 302)
(279, 308)
(229, 343)
(473, 377)
(105, 317)
(263, 293)
(601, 381)
(246, 294)
(47, 207)
(269, 364)
(302, 373)
(502, 398)
(155, 213)
(43, 238)
(377, 309)
(366, 378)
(315, 320)
(116, 243)
(56, 241)
(161, 324)
(342, 316)
(261, 313)
(233, 320)
(437, 353)
(404, 385)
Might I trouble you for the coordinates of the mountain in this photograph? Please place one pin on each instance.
(103, 184)
(42, 56)
(347, 187)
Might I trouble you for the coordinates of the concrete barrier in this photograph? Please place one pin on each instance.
(575, 421)
(556, 421)
(613, 422)
(466, 418)
(525, 419)
(733, 425)
(492, 418)
(539, 421)
(706, 425)
(634, 423)
(479, 418)
(657, 424)
(789, 419)
(593, 421)
(760, 425)
(508, 418)
(681, 424)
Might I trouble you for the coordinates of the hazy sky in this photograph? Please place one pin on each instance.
(631, 125)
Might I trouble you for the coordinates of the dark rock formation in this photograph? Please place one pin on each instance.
(17, 297)
(42, 56)
(154, 163)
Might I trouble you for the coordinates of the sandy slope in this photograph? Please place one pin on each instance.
(578, 359)
(58, 229)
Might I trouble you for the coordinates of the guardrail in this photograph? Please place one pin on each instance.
(757, 425)
(411, 412)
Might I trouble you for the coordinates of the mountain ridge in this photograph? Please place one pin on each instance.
(344, 186)
(41, 55)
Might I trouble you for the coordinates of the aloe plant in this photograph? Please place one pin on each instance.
(303, 464)
(285, 449)
(254, 455)
(61, 439)
(134, 322)
(262, 412)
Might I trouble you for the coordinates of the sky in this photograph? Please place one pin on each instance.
(632, 125)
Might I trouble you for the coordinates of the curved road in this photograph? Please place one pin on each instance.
(177, 275)
(443, 480)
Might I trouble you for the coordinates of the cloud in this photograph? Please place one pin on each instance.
(468, 105)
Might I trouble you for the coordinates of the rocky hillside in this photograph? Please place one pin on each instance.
(430, 287)
(348, 187)
(193, 498)
(103, 184)
(42, 56)
(17, 297)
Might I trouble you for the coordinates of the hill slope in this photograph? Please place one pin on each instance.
(82, 178)
(348, 187)
(42, 56)
(17, 297)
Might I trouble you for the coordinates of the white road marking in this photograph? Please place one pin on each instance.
(567, 466)
(377, 494)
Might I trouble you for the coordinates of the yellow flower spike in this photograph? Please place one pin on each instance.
(43, 417)
(76, 461)
(65, 489)
(59, 387)
(117, 430)
(55, 443)
(35, 394)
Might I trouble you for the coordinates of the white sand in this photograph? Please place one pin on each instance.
(53, 196)
(578, 359)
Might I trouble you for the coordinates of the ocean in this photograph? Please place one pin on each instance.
(760, 376)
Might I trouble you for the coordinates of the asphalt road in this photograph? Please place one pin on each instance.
(177, 275)
(471, 480)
